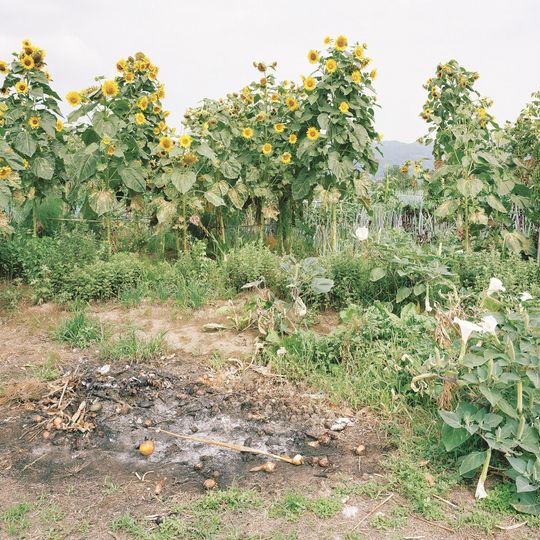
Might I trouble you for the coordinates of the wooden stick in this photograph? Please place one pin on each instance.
(369, 514)
(449, 503)
(33, 462)
(230, 446)
(415, 516)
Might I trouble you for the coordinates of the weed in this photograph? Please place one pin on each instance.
(16, 518)
(291, 506)
(133, 348)
(79, 330)
(48, 371)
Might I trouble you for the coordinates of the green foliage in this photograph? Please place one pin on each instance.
(132, 348)
(499, 391)
(252, 262)
(79, 330)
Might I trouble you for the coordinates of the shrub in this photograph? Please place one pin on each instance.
(252, 262)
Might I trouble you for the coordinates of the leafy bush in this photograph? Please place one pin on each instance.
(475, 270)
(495, 377)
(252, 262)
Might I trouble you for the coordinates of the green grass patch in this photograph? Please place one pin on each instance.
(133, 348)
(79, 330)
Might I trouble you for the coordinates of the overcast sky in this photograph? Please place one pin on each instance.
(205, 48)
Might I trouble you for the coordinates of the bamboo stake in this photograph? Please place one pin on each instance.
(231, 446)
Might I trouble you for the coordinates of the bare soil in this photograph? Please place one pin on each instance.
(73, 442)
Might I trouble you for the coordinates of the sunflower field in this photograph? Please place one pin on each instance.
(412, 296)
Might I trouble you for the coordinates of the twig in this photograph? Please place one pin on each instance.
(230, 446)
(511, 527)
(33, 462)
(62, 396)
(449, 503)
(369, 514)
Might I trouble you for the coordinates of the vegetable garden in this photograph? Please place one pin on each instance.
(264, 203)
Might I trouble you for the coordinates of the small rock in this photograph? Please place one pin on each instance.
(324, 462)
(209, 483)
(359, 450)
(145, 404)
(147, 422)
(341, 423)
(213, 327)
(216, 474)
(103, 370)
(194, 429)
(96, 406)
(349, 511)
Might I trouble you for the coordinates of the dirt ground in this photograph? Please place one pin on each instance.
(71, 444)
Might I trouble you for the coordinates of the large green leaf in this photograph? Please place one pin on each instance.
(214, 199)
(377, 273)
(133, 177)
(472, 462)
(25, 144)
(204, 150)
(183, 180)
(527, 503)
(231, 168)
(452, 438)
(86, 165)
(43, 167)
(495, 203)
(470, 187)
(101, 202)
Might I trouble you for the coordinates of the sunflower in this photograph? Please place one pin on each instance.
(313, 56)
(161, 91)
(309, 84)
(331, 65)
(341, 43)
(373, 74)
(109, 88)
(59, 125)
(185, 141)
(4, 91)
(344, 107)
(73, 98)
(292, 138)
(26, 163)
(266, 149)
(481, 112)
(166, 143)
(26, 43)
(3, 67)
(21, 87)
(34, 122)
(27, 62)
(156, 109)
(5, 172)
(139, 118)
(142, 103)
(154, 98)
(286, 157)
(106, 141)
(110, 150)
(189, 158)
(435, 92)
(128, 77)
(404, 169)
(274, 98)
(327, 40)
(359, 52)
(312, 133)
(260, 117)
(291, 103)
(156, 131)
(279, 127)
(356, 77)
(121, 65)
(247, 133)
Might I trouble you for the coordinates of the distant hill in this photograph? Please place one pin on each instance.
(396, 152)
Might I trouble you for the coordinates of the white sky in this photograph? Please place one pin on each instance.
(205, 48)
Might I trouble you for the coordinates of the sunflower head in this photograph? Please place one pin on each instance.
(341, 43)
(404, 169)
(166, 143)
(260, 116)
(189, 158)
(5, 172)
(21, 87)
(140, 119)
(286, 157)
(309, 83)
(293, 138)
(142, 103)
(33, 122)
(313, 56)
(327, 40)
(344, 107)
(110, 150)
(373, 74)
(312, 133)
(156, 109)
(247, 133)
(27, 62)
(73, 98)
(59, 126)
(359, 52)
(266, 149)
(185, 141)
(27, 44)
(109, 88)
(121, 65)
(291, 103)
(3, 67)
(129, 77)
(279, 127)
(331, 65)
